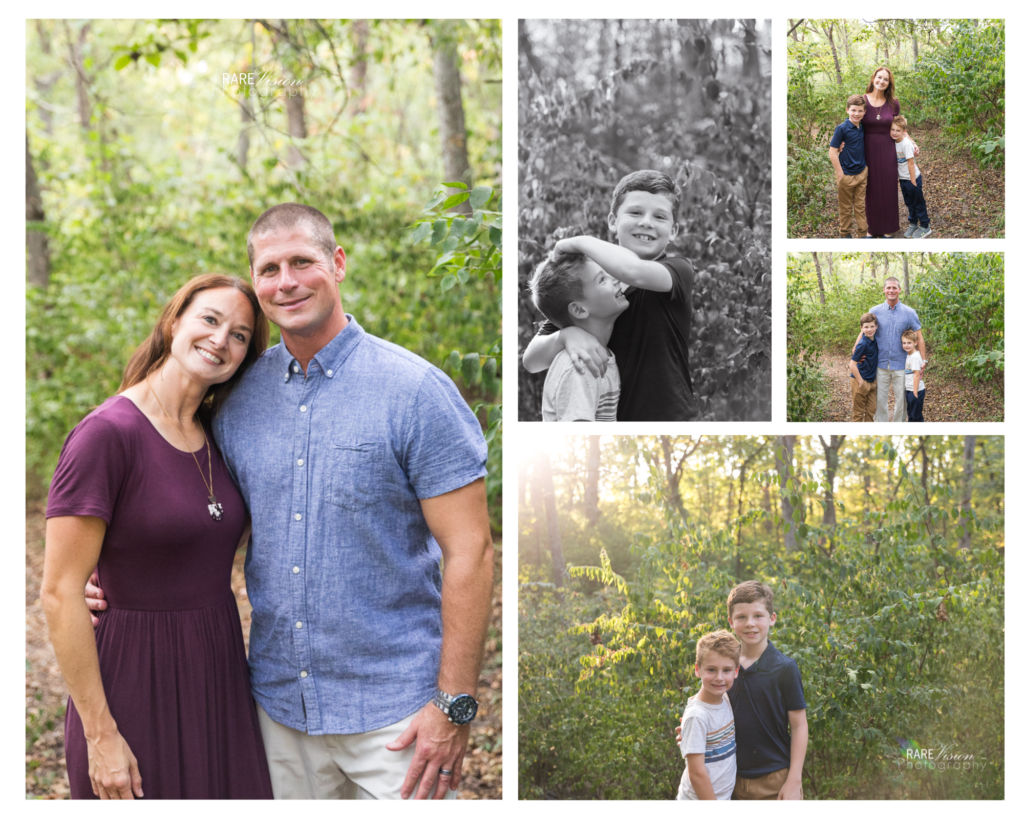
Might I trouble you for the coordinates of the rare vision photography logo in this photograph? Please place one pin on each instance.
(264, 84)
(946, 757)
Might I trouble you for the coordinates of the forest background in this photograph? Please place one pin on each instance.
(146, 165)
(959, 298)
(602, 98)
(886, 556)
(950, 80)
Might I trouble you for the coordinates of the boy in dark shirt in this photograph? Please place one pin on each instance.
(851, 169)
(863, 368)
(768, 703)
(650, 341)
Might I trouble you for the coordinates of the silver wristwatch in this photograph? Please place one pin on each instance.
(460, 709)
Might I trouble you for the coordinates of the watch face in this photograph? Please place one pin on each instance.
(462, 709)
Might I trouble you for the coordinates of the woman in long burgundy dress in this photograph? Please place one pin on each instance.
(160, 702)
(882, 198)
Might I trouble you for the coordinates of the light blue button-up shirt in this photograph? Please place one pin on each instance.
(342, 572)
(892, 321)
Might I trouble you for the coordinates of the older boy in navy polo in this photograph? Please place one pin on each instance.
(863, 367)
(768, 703)
(851, 169)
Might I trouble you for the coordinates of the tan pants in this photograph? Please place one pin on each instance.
(864, 399)
(762, 787)
(336, 766)
(852, 190)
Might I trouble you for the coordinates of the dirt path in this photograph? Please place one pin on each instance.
(949, 396)
(964, 201)
(46, 695)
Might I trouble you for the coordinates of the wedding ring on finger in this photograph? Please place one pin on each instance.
(446, 772)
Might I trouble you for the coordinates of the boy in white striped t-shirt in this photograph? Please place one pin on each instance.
(708, 736)
(570, 289)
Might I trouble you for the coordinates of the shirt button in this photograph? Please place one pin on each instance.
(295, 368)
(298, 624)
(300, 462)
(330, 372)
(302, 408)
(303, 674)
(295, 569)
(298, 516)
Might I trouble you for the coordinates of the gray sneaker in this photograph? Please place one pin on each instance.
(921, 232)
(910, 232)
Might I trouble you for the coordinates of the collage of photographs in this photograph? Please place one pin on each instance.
(268, 547)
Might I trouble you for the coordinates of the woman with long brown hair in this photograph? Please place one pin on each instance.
(882, 198)
(160, 702)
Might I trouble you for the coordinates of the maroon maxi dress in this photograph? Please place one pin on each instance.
(170, 642)
(882, 198)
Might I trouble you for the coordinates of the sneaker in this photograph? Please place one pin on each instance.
(910, 231)
(921, 232)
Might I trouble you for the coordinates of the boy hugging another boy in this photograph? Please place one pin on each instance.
(572, 291)
(650, 341)
(851, 169)
(767, 701)
(910, 180)
(863, 369)
(708, 732)
(913, 384)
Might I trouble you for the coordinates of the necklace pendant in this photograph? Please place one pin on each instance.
(216, 510)
(878, 116)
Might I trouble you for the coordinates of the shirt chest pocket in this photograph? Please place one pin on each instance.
(356, 475)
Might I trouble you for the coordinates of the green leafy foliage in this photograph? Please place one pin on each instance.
(896, 626)
(153, 191)
(949, 74)
(586, 120)
(959, 298)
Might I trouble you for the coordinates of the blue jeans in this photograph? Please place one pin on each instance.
(915, 406)
(913, 198)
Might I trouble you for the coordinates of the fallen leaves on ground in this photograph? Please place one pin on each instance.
(46, 694)
(950, 395)
(964, 200)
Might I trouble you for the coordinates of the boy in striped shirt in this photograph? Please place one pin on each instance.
(708, 733)
(570, 289)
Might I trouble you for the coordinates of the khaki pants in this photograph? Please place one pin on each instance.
(864, 399)
(762, 787)
(852, 190)
(886, 379)
(336, 766)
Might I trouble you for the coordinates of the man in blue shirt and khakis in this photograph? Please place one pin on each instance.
(894, 317)
(362, 467)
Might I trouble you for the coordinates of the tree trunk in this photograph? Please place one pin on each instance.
(751, 60)
(846, 42)
(913, 38)
(537, 502)
(543, 464)
(449, 108)
(36, 242)
(832, 447)
(924, 469)
(590, 492)
(44, 84)
(77, 47)
(821, 283)
(831, 270)
(874, 272)
(835, 54)
(965, 502)
(361, 34)
(784, 468)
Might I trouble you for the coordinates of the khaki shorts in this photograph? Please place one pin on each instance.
(762, 787)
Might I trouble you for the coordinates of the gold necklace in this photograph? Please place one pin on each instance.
(216, 509)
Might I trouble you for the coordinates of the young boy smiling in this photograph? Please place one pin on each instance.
(572, 291)
(708, 732)
(650, 340)
(768, 702)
